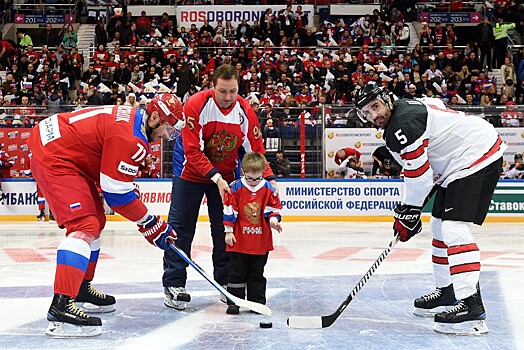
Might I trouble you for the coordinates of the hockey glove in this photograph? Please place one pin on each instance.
(157, 231)
(407, 221)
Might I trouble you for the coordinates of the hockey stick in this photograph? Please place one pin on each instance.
(305, 322)
(259, 308)
(308, 322)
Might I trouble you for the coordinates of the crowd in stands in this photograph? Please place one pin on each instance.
(287, 66)
(283, 61)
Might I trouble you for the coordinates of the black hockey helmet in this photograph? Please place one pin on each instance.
(518, 156)
(366, 95)
(388, 161)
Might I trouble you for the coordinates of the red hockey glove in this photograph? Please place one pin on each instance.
(157, 231)
(407, 221)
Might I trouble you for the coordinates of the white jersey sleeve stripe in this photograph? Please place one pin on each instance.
(111, 185)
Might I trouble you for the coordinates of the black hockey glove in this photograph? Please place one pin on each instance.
(407, 221)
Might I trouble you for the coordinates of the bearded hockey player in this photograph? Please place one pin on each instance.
(462, 156)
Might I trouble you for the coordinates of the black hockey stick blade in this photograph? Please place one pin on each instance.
(315, 322)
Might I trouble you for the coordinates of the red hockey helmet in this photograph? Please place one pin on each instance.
(170, 110)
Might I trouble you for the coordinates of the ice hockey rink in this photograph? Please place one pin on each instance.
(313, 268)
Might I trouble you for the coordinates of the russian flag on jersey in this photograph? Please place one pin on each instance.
(75, 206)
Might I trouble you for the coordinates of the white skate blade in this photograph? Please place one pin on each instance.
(464, 328)
(430, 312)
(67, 330)
(95, 309)
(174, 304)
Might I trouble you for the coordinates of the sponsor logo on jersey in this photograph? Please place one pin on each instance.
(127, 169)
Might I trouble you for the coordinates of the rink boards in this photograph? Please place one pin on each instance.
(302, 200)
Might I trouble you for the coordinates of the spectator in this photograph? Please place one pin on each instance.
(39, 97)
(122, 74)
(7, 50)
(49, 36)
(25, 113)
(206, 27)
(511, 116)
(70, 38)
(143, 24)
(509, 77)
(281, 166)
(100, 33)
(93, 96)
(186, 80)
(485, 100)
(137, 76)
(400, 32)
(270, 131)
(91, 76)
(485, 40)
(56, 102)
(500, 32)
(131, 101)
(24, 39)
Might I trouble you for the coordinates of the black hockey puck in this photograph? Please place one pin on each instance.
(266, 325)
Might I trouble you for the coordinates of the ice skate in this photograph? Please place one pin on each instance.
(176, 297)
(233, 310)
(91, 300)
(466, 318)
(67, 320)
(441, 299)
(51, 218)
(41, 217)
(222, 296)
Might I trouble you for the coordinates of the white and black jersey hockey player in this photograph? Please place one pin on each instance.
(460, 155)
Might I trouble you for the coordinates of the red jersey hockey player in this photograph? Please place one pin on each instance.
(71, 153)
(460, 155)
(250, 211)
